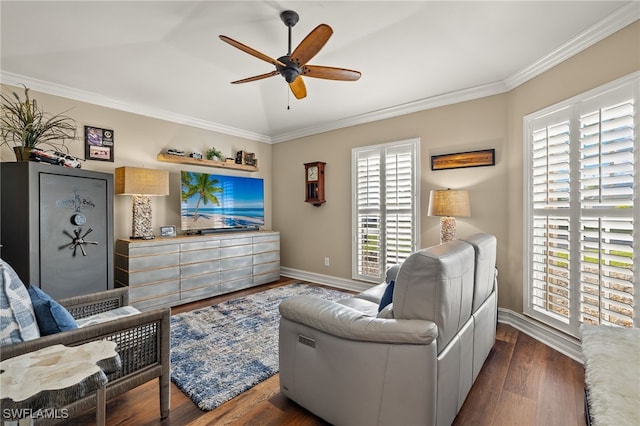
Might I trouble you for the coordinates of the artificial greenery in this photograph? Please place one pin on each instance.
(214, 153)
(24, 124)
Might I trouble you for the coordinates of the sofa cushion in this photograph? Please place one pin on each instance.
(387, 296)
(364, 306)
(485, 248)
(123, 311)
(17, 320)
(52, 317)
(436, 284)
(373, 294)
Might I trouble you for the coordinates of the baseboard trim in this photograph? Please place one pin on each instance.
(313, 277)
(562, 343)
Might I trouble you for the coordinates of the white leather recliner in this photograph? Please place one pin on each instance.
(414, 362)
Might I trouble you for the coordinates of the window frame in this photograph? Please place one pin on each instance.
(414, 147)
(573, 108)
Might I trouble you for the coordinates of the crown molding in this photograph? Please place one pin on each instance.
(604, 28)
(96, 99)
(395, 111)
(601, 30)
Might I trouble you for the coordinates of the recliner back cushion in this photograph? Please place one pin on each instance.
(436, 284)
(485, 248)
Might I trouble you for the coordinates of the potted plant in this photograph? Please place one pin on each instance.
(213, 153)
(24, 125)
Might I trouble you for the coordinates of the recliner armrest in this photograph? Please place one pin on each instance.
(341, 321)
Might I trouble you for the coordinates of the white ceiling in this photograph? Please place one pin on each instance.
(164, 58)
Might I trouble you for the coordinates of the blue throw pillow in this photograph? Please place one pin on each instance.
(387, 296)
(52, 317)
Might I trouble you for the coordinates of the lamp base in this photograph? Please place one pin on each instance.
(141, 217)
(447, 229)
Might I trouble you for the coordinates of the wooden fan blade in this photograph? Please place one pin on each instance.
(311, 45)
(330, 73)
(256, 77)
(298, 88)
(251, 51)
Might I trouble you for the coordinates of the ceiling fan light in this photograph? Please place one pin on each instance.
(290, 74)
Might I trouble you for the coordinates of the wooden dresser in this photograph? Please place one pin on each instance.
(172, 271)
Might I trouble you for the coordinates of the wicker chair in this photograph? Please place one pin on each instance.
(143, 345)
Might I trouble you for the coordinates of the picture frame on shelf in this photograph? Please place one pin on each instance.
(168, 231)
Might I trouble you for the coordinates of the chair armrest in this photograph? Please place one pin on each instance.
(96, 303)
(341, 321)
(117, 330)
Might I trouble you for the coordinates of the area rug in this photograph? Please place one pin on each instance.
(221, 351)
(612, 374)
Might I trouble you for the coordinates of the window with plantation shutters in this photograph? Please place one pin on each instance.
(582, 209)
(385, 203)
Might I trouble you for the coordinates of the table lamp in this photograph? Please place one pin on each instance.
(448, 204)
(141, 184)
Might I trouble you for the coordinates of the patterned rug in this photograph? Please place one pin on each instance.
(223, 350)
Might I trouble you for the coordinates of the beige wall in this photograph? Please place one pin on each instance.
(138, 140)
(311, 233)
(327, 229)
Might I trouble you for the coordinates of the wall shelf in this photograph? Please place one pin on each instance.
(168, 158)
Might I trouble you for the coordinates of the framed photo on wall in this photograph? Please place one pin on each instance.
(485, 157)
(98, 144)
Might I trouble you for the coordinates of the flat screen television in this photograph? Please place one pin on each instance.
(218, 202)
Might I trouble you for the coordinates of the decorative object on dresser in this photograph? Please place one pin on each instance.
(141, 184)
(24, 125)
(314, 183)
(212, 368)
(448, 204)
(172, 271)
(57, 227)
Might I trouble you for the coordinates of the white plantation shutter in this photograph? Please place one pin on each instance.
(385, 207)
(369, 205)
(583, 211)
(400, 241)
(607, 172)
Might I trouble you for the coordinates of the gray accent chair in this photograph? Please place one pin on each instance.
(414, 362)
(143, 345)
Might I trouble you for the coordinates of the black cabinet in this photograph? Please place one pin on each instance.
(56, 227)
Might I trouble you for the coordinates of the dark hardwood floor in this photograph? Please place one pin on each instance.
(523, 382)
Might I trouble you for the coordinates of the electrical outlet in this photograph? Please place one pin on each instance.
(326, 261)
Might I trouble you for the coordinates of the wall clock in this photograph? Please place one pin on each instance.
(314, 183)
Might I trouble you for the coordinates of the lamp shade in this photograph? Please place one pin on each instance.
(138, 181)
(449, 203)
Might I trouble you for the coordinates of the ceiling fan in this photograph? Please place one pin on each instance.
(293, 65)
